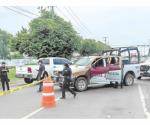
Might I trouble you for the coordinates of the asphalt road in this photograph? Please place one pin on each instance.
(102, 102)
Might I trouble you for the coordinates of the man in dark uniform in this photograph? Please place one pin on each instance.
(40, 73)
(67, 72)
(4, 76)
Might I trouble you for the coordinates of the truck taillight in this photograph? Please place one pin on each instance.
(29, 70)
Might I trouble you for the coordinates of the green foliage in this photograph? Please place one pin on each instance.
(16, 55)
(4, 44)
(48, 35)
(91, 46)
(12, 75)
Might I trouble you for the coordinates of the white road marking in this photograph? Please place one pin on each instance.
(143, 102)
(33, 113)
(36, 111)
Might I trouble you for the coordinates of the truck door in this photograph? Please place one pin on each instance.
(98, 72)
(115, 73)
(114, 64)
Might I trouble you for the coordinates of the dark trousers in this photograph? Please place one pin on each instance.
(40, 86)
(3, 84)
(66, 86)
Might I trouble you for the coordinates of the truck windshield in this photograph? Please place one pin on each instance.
(83, 61)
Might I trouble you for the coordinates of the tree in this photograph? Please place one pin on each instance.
(4, 44)
(48, 35)
(16, 55)
(90, 46)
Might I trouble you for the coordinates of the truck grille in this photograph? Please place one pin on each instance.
(144, 68)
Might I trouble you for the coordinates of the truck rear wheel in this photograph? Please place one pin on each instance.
(28, 80)
(129, 79)
(81, 84)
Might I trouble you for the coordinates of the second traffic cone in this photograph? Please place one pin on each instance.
(48, 98)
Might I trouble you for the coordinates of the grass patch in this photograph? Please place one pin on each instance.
(12, 74)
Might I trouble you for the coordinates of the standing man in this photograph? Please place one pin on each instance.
(4, 76)
(67, 72)
(40, 73)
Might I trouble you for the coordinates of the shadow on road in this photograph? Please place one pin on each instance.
(144, 79)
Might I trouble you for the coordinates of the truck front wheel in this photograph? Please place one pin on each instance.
(81, 84)
(28, 80)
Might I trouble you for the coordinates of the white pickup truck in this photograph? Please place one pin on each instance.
(145, 69)
(52, 64)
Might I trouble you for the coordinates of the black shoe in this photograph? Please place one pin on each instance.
(75, 95)
(62, 98)
(116, 85)
(39, 91)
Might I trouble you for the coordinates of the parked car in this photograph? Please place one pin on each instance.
(145, 69)
(100, 70)
(29, 72)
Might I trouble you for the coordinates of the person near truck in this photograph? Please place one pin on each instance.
(40, 74)
(67, 73)
(4, 77)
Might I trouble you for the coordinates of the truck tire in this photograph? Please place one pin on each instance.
(28, 80)
(129, 79)
(81, 84)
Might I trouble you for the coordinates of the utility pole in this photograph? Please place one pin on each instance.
(106, 40)
(149, 47)
(52, 11)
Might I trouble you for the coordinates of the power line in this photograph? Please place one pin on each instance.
(76, 20)
(79, 19)
(18, 12)
(81, 22)
(26, 11)
(69, 20)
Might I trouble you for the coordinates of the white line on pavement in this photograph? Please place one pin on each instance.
(143, 102)
(33, 113)
(36, 111)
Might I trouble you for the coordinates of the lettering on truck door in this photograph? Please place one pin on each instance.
(98, 72)
(114, 64)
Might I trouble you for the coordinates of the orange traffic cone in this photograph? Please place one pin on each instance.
(48, 98)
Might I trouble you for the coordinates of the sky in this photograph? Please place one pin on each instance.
(122, 25)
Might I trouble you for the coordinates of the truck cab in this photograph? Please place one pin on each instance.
(96, 71)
